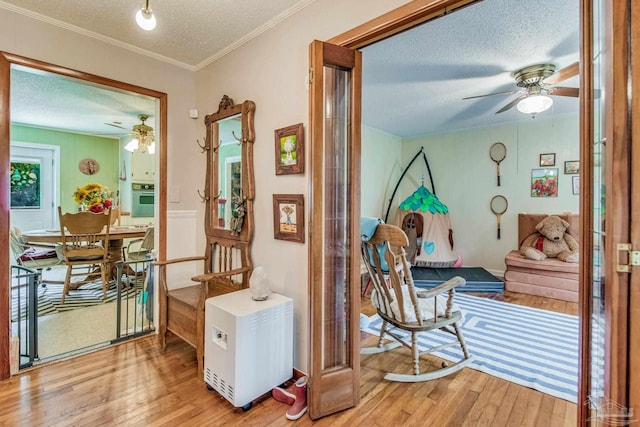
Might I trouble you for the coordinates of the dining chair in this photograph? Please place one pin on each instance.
(137, 249)
(31, 255)
(406, 311)
(85, 246)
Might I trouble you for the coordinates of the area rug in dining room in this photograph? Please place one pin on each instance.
(50, 296)
(527, 346)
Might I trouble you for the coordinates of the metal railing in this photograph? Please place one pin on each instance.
(24, 313)
(135, 289)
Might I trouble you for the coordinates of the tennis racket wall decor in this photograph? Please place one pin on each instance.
(498, 152)
(498, 205)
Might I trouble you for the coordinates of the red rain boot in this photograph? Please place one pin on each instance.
(284, 395)
(299, 407)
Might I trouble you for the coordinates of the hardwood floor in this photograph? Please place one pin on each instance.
(135, 384)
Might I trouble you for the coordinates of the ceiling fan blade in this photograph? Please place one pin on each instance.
(565, 91)
(511, 104)
(564, 74)
(115, 125)
(491, 94)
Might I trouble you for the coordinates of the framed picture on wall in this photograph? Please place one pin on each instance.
(288, 217)
(548, 159)
(544, 182)
(571, 167)
(289, 145)
(575, 185)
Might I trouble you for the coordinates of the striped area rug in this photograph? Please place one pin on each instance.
(50, 296)
(527, 346)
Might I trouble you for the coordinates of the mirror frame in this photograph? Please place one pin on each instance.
(226, 109)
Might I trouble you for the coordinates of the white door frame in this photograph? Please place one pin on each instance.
(52, 178)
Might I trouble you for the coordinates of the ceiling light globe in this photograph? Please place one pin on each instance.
(132, 145)
(535, 104)
(145, 19)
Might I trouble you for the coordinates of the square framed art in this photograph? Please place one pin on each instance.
(544, 182)
(288, 217)
(289, 145)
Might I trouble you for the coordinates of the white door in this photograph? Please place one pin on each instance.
(34, 185)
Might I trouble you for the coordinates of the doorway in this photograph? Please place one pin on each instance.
(34, 185)
(594, 15)
(7, 63)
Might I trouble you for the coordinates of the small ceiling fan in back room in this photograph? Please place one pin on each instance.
(142, 136)
(538, 83)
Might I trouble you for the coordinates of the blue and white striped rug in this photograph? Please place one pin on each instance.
(527, 346)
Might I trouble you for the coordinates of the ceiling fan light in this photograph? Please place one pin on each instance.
(132, 145)
(152, 148)
(535, 104)
(145, 18)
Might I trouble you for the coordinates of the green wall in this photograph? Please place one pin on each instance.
(73, 148)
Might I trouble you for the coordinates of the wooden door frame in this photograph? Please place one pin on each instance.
(6, 61)
(335, 377)
(634, 291)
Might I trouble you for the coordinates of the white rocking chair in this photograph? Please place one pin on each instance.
(400, 306)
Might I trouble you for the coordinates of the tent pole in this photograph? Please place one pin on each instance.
(433, 188)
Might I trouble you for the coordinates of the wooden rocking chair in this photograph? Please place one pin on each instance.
(400, 306)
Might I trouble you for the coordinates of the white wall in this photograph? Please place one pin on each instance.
(465, 180)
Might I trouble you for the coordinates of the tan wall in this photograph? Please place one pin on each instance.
(272, 71)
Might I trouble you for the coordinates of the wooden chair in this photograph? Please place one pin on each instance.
(85, 249)
(401, 306)
(181, 310)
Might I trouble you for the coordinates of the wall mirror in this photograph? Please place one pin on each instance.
(229, 187)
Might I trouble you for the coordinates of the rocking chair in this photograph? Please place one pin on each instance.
(401, 306)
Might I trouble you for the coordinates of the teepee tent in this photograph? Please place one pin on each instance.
(425, 220)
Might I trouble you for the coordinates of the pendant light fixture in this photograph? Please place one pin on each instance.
(143, 139)
(145, 18)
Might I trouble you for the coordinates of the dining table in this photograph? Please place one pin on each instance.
(117, 235)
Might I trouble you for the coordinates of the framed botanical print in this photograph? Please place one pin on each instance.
(289, 144)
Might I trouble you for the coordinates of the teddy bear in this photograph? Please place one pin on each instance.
(551, 241)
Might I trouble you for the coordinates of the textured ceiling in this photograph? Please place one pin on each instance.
(52, 101)
(190, 33)
(413, 83)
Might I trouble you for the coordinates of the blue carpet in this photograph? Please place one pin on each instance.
(478, 279)
(527, 346)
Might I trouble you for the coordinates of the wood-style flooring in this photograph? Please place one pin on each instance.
(136, 384)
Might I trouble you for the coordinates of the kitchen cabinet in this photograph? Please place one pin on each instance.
(143, 167)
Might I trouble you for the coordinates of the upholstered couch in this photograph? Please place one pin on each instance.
(551, 277)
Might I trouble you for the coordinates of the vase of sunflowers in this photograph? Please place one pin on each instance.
(93, 197)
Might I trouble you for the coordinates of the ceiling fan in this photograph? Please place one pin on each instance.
(143, 138)
(537, 82)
